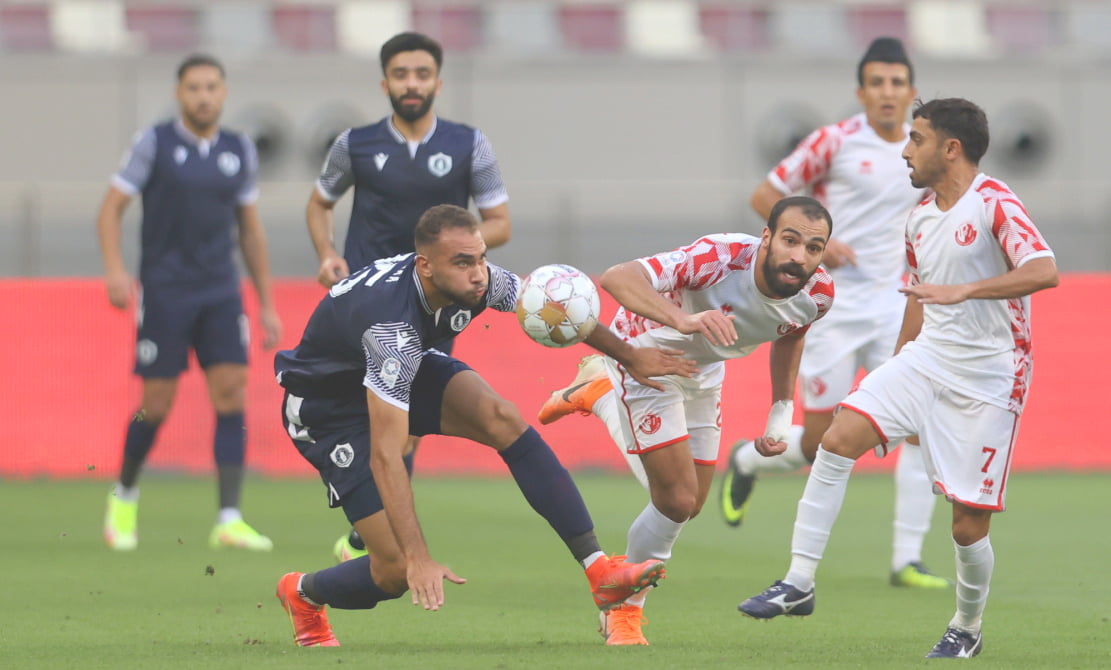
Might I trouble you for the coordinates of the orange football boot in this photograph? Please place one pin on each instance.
(310, 623)
(621, 625)
(613, 579)
(589, 384)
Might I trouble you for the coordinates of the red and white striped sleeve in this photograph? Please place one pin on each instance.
(1011, 225)
(809, 162)
(702, 263)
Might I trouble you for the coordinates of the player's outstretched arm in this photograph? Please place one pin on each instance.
(1034, 275)
(786, 352)
(109, 223)
(389, 432)
(630, 285)
(641, 362)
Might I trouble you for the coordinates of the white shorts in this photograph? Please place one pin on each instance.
(967, 444)
(828, 368)
(688, 409)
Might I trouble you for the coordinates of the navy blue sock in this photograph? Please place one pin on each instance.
(548, 486)
(347, 586)
(229, 444)
(136, 446)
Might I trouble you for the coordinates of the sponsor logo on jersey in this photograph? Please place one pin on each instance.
(343, 455)
(966, 234)
(180, 154)
(785, 328)
(987, 485)
(865, 167)
(228, 163)
(460, 319)
(439, 164)
(146, 351)
(380, 160)
(818, 386)
(391, 370)
(649, 424)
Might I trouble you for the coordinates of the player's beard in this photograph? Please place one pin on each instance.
(201, 123)
(412, 114)
(780, 289)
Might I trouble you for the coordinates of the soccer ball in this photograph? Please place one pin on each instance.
(558, 306)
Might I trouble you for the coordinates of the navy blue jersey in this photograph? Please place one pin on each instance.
(396, 182)
(374, 327)
(192, 190)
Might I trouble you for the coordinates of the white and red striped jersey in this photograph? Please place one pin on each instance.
(864, 182)
(719, 272)
(980, 348)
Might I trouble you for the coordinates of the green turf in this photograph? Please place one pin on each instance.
(68, 602)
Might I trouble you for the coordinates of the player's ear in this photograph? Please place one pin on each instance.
(385, 86)
(423, 265)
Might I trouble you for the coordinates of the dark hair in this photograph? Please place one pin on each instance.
(435, 219)
(958, 119)
(811, 209)
(411, 42)
(884, 50)
(199, 60)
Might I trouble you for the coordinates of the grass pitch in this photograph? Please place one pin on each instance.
(68, 602)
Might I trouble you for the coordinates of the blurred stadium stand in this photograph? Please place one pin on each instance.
(622, 127)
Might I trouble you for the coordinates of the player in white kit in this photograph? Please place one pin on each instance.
(855, 169)
(716, 299)
(960, 376)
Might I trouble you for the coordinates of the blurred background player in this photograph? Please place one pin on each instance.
(399, 167)
(198, 185)
(716, 299)
(959, 377)
(366, 373)
(855, 168)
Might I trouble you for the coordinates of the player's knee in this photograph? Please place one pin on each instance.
(677, 506)
(229, 399)
(500, 421)
(969, 528)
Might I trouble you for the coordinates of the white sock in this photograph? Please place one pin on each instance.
(817, 512)
(749, 461)
(914, 506)
(589, 560)
(974, 567)
(126, 493)
(606, 409)
(229, 514)
(652, 535)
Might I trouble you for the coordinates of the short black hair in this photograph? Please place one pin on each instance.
(436, 219)
(811, 209)
(884, 50)
(199, 60)
(958, 119)
(411, 42)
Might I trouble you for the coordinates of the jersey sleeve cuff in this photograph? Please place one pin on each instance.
(492, 201)
(324, 193)
(653, 278)
(389, 400)
(122, 184)
(1037, 254)
(775, 181)
(248, 198)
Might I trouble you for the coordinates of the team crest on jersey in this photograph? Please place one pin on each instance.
(391, 370)
(180, 154)
(439, 164)
(785, 328)
(818, 386)
(146, 351)
(228, 163)
(380, 160)
(966, 234)
(460, 319)
(343, 455)
(650, 424)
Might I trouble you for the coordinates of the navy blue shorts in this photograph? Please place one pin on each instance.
(173, 320)
(333, 434)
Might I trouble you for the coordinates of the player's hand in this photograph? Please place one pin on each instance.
(120, 288)
(838, 254)
(774, 440)
(714, 324)
(937, 294)
(652, 362)
(271, 328)
(332, 269)
(426, 582)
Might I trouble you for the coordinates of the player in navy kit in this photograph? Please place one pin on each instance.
(399, 167)
(366, 372)
(198, 183)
